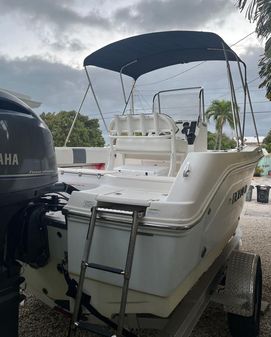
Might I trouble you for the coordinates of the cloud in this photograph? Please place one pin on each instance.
(57, 13)
(143, 15)
(53, 21)
(70, 25)
(57, 86)
(72, 45)
(171, 14)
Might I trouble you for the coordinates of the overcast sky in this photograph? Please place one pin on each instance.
(44, 43)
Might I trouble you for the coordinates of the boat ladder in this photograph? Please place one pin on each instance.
(134, 212)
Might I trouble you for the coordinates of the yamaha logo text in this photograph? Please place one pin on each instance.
(9, 159)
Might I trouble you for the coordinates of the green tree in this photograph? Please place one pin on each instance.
(259, 11)
(267, 141)
(221, 113)
(86, 132)
(226, 142)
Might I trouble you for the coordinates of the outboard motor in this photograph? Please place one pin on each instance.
(27, 171)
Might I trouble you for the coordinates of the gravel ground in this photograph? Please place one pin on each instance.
(37, 320)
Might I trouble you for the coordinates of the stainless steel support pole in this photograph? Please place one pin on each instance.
(130, 94)
(232, 98)
(121, 80)
(95, 98)
(75, 118)
(244, 81)
(127, 274)
(84, 265)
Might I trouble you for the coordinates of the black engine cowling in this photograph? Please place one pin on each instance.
(27, 160)
(27, 156)
(27, 171)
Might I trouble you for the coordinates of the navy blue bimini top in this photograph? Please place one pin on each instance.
(141, 54)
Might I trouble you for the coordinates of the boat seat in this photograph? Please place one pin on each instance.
(146, 136)
(142, 170)
(152, 144)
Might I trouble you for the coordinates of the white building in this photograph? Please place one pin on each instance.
(253, 140)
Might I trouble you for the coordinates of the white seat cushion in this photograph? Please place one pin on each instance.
(151, 144)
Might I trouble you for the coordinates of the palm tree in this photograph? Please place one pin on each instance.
(221, 113)
(259, 11)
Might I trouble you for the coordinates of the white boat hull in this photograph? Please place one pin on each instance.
(187, 224)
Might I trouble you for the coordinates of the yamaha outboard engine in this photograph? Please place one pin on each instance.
(27, 171)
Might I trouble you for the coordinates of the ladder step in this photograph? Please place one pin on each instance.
(119, 209)
(99, 330)
(114, 211)
(105, 268)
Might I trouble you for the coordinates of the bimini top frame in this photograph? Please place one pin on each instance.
(141, 54)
